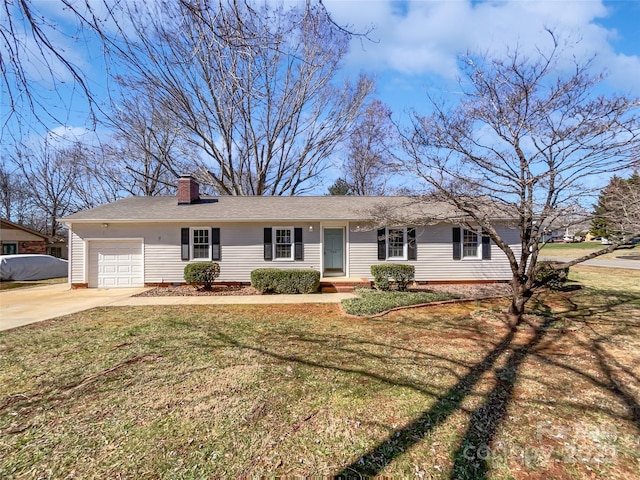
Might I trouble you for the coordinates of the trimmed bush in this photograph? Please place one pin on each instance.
(202, 272)
(400, 273)
(275, 280)
(548, 274)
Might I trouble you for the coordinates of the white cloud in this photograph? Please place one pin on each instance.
(623, 70)
(425, 37)
(64, 136)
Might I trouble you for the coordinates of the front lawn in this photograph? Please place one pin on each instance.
(9, 284)
(249, 391)
(575, 250)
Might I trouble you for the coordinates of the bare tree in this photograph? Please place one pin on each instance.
(35, 51)
(251, 88)
(51, 174)
(524, 142)
(99, 176)
(14, 196)
(149, 148)
(369, 158)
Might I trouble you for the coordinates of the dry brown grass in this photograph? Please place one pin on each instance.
(206, 391)
(9, 284)
(599, 278)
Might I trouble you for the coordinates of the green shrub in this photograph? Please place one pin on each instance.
(275, 280)
(548, 274)
(202, 272)
(371, 302)
(400, 273)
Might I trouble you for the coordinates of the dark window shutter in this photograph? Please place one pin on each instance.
(382, 244)
(412, 248)
(268, 244)
(215, 244)
(297, 239)
(486, 246)
(184, 234)
(457, 243)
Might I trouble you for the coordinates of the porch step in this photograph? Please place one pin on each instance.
(343, 285)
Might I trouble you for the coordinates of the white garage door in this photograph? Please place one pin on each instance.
(115, 263)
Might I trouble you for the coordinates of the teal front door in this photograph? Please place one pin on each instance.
(333, 250)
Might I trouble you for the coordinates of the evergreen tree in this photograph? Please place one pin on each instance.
(340, 187)
(612, 212)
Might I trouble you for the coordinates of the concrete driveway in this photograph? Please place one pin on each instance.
(29, 305)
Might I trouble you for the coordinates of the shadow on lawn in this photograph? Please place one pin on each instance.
(484, 421)
(504, 359)
(470, 459)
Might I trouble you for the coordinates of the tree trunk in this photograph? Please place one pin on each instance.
(521, 295)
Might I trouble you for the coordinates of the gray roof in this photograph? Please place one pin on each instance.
(243, 209)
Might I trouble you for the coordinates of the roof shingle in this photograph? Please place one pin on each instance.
(261, 208)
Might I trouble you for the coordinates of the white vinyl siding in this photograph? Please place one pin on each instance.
(76, 250)
(242, 246)
(435, 260)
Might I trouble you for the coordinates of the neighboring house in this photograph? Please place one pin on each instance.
(59, 247)
(149, 240)
(15, 239)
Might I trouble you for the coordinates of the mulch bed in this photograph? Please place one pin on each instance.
(192, 291)
(466, 291)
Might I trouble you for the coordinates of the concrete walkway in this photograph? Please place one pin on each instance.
(234, 300)
(23, 306)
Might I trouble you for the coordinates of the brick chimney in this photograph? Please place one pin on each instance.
(188, 190)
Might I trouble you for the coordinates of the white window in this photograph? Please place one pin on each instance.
(470, 244)
(200, 243)
(396, 243)
(283, 243)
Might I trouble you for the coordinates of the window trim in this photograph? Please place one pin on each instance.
(478, 233)
(10, 243)
(405, 242)
(192, 244)
(274, 244)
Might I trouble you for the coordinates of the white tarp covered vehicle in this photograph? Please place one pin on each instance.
(32, 267)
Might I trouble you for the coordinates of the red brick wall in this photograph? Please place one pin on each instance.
(32, 247)
(188, 190)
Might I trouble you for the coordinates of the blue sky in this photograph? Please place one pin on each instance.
(418, 41)
(414, 51)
